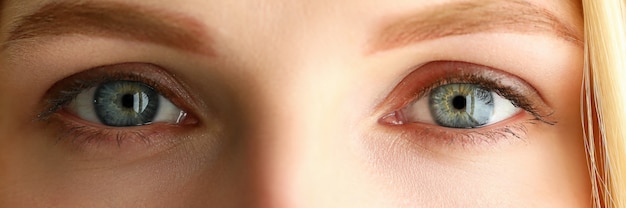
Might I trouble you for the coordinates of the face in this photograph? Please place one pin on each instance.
(353, 103)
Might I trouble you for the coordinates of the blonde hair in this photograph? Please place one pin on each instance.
(604, 101)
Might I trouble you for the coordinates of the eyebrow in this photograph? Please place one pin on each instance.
(472, 17)
(115, 20)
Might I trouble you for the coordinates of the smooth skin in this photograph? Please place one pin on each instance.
(288, 106)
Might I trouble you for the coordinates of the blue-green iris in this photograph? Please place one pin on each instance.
(125, 103)
(461, 105)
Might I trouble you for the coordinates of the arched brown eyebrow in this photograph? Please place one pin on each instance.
(472, 17)
(174, 30)
(119, 20)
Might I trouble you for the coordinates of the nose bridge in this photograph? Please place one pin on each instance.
(290, 135)
(295, 163)
(285, 143)
(292, 144)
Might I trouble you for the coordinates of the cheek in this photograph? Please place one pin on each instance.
(549, 167)
(561, 161)
(25, 167)
(44, 173)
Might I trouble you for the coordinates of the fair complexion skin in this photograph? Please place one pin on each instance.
(288, 104)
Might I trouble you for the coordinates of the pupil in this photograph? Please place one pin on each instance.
(128, 101)
(459, 102)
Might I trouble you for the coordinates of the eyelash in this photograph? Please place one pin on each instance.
(439, 73)
(67, 90)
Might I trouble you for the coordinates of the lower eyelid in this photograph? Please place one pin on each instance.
(434, 138)
(441, 139)
(94, 139)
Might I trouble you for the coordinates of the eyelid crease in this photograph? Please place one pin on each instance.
(421, 81)
(64, 91)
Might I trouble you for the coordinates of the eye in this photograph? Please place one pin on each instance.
(124, 104)
(131, 103)
(461, 105)
(461, 95)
